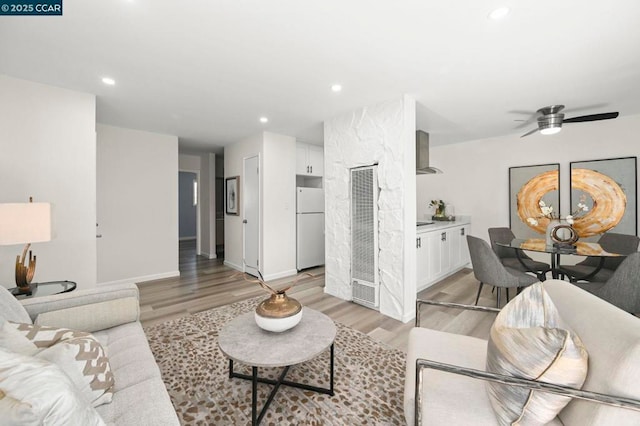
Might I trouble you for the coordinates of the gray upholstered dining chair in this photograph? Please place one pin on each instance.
(622, 289)
(508, 256)
(611, 242)
(488, 269)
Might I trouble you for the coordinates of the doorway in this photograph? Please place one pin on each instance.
(189, 209)
(251, 215)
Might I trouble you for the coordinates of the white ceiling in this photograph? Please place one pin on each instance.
(206, 70)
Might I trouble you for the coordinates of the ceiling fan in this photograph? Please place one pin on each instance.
(550, 119)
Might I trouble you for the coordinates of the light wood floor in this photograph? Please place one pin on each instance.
(204, 284)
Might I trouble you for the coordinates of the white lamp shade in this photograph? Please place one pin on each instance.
(22, 223)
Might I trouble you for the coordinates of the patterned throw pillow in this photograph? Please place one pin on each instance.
(77, 353)
(528, 339)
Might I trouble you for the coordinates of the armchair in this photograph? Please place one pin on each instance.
(442, 370)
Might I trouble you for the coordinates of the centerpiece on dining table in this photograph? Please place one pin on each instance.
(560, 234)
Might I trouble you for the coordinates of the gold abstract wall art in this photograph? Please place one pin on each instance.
(530, 195)
(610, 189)
(528, 185)
(608, 202)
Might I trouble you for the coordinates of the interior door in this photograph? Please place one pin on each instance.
(251, 215)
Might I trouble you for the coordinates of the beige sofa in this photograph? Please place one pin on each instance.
(111, 313)
(450, 397)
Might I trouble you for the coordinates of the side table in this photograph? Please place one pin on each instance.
(243, 341)
(44, 289)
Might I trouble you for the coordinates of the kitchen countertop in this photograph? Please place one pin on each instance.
(436, 226)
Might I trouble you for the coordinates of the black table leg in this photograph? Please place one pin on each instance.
(541, 275)
(554, 265)
(254, 396)
(331, 374)
(256, 417)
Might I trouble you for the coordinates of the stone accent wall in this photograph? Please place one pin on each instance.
(382, 134)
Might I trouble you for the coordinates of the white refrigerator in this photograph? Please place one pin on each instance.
(310, 227)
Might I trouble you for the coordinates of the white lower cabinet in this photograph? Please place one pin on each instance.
(440, 253)
(422, 263)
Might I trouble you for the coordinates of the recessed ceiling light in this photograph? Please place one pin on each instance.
(499, 13)
(108, 81)
(264, 120)
(336, 88)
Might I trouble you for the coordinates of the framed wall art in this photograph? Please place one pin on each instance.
(609, 189)
(528, 185)
(232, 195)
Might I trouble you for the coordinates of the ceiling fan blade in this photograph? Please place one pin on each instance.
(591, 107)
(521, 112)
(592, 117)
(526, 123)
(530, 132)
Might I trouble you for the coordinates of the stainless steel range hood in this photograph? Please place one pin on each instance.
(422, 154)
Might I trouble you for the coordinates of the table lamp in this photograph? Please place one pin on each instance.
(25, 223)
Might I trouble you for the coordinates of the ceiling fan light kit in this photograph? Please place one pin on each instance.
(550, 124)
(550, 130)
(550, 119)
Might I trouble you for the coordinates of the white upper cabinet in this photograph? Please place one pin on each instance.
(309, 160)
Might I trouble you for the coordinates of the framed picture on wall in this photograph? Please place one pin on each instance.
(232, 195)
(609, 189)
(528, 185)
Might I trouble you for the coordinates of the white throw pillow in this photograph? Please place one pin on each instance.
(529, 340)
(44, 395)
(15, 413)
(77, 353)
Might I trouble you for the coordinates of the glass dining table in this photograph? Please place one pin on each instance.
(578, 249)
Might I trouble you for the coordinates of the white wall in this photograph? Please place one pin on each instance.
(189, 162)
(278, 206)
(48, 151)
(207, 206)
(137, 196)
(476, 173)
(277, 246)
(382, 134)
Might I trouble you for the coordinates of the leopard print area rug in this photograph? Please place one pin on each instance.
(369, 377)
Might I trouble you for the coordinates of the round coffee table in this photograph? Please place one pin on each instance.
(243, 341)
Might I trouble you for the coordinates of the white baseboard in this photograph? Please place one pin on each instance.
(143, 278)
(409, 316)
(209, 255)
(330, 292)
(282, 274)
(233, 266)
(437, 280)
